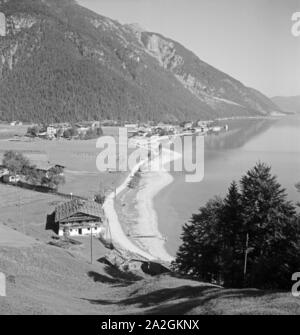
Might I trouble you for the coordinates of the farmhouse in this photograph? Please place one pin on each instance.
(13, 179)
(79, 217)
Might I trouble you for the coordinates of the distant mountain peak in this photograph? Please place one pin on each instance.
(290, 105)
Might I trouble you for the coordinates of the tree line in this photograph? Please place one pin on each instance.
(250, 238)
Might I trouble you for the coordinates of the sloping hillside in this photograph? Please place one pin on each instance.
(48, 280)
(60, 61)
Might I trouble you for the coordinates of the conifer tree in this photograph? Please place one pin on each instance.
(271, 224)
(258, 222)
(231, 229)
(200, 253)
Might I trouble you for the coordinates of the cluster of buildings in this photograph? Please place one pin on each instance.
(162, 129)
(150, 130)
(16, 123)
(58, 130)
(80, 129)
(203, 126)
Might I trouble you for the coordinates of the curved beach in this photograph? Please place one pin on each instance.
(146, 229)
(143, 237)
(152, 183)
(117, 233)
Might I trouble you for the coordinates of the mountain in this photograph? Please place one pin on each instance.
(62, 62)
(290, 105)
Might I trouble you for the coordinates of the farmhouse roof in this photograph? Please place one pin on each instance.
(72, 207)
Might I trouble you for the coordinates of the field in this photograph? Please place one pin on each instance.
(79, 158)
(26, 211)
(7, 131)
(48, 280)
(11, 238)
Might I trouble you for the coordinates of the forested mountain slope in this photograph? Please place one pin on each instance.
(62, 62)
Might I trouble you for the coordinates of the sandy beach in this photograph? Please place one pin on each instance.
(153, 241)
(136, 210)
(151, 184)
(117, 233)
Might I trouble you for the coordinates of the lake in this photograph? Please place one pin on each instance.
(228, 156)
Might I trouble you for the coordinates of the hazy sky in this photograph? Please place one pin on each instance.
(249, 39)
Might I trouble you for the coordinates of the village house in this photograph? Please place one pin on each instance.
(203, 126)
(79, 218)
(216, 129)
(51, 131)
(132, 128)
(131, 125)
(7, 177)
(201, 123)
(166, 127)
(81, 128)
(12, 179)
(188, 125)
(16, 123)
(61, 128)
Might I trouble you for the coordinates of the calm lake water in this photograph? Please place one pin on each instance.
(227, 157)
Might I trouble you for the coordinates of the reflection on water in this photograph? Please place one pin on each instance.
(227, 157)
(240, 132)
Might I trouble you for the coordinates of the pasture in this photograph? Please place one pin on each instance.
(7, 131)
(79, 158)
(26, 211)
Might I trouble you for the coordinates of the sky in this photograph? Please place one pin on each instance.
(249, 40)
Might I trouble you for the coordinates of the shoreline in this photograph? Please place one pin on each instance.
(135, 208)
(254, 117)
(152, 183)
(118, 236)
(147, 221)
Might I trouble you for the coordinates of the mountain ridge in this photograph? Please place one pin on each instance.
(62, 62)
(289, 104)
